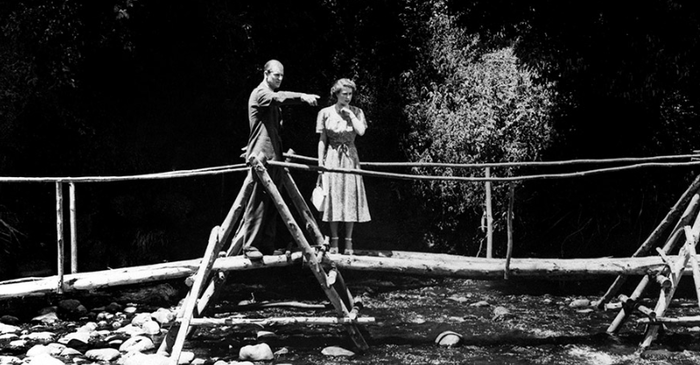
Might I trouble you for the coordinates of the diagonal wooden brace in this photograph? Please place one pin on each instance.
(308, 251)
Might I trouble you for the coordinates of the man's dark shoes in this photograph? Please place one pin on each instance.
(253, 254)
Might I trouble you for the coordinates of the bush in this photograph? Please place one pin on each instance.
(479, 108)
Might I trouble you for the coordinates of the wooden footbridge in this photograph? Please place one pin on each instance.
(222, 255)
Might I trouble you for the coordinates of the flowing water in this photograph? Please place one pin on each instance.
(540, 326)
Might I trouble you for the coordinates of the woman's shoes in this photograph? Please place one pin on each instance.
(334, 246)
(348, 247)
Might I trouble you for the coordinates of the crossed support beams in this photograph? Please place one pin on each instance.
(201, 294)
(668, 277)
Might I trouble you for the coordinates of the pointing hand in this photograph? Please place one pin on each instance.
(311, 99)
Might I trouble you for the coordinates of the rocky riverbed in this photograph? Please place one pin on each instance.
(418, 321)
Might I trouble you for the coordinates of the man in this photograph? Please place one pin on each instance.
(265, 122)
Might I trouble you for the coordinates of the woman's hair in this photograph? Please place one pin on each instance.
(340, 84)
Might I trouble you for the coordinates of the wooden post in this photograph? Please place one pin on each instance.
(59, 236)
(73, 230)
(696, 271)
(509, 252)
(237, 208)
(188, 308)
(489, 216)
(300, 204)
(215, 283)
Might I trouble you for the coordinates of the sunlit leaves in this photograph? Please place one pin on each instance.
(479, 108)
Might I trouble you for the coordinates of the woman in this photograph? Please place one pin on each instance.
(346, 200)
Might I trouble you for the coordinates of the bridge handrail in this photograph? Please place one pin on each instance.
(401, 176)
(639, 162)
(514, 164)
(151, 176)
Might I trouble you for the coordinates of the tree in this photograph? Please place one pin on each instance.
(474, 108)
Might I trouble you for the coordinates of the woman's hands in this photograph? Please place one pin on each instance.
(347, 112)
(357, 123)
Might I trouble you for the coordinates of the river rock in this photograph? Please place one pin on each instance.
(281, 352)
(137, 344)
(9, 360)
(7, 328)
(259, 352)
(75, 339)
(37, 350)
(45, 359)
(41, 337)
(56, 349)
(500, 313)
(104, 316)
(88, 327)
(580, 303)
(448, 339)
(337, 351)
(116, 339)
(130, 310)
(113, 307)
(8, 337)
(71, 309)
(265, 334)
(17, 345)
(8, 319)
(151, 328)
(131, 330)
(137, 358)
(481, 303)
(140, 319)
(46, 318)
(102, 354)
(186, 357)
(458, 298)
(69, 352)
(163, 316)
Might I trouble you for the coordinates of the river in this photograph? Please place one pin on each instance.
(540, 326)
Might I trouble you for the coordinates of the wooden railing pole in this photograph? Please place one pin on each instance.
(73, 230)
(489, 216)
(59, 235)
(509, 252)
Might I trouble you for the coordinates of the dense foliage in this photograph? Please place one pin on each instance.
(110, 87)
(473, 108)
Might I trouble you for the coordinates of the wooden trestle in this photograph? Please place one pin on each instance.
(207, 284)
(668, 276)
